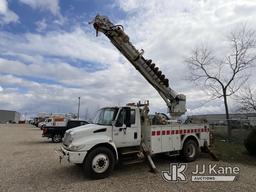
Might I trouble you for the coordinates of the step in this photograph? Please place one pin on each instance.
(130, 152)
(173, 154)
(133, 161)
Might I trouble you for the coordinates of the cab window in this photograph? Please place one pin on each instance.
(73, 124)
(121, 117)
(132, 116)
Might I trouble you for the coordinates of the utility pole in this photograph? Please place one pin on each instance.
(78, 111)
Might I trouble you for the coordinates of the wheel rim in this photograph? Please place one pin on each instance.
(100, 163)
(56, 138)
(191, 151)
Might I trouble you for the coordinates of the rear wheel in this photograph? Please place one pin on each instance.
(190, 150)
(56, 138)
(99, 163)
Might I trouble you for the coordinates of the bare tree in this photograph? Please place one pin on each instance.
(223, 75)
(247, 100)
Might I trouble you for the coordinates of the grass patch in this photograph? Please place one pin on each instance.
(232, 152)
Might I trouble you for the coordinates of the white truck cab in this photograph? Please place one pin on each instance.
(120, 131)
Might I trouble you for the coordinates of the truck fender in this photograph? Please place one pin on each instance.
(191, 136)
(109, 145)
(101, 140)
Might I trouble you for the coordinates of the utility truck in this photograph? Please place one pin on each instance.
(127, 133)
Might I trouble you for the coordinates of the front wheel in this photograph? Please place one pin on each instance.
(99, 163)
(56, 138)
(190, 150)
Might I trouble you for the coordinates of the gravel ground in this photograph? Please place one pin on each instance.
(28, 163)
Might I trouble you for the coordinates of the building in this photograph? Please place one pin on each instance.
(9, 116)
(221, 118)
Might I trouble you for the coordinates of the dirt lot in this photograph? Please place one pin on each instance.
(28, 163)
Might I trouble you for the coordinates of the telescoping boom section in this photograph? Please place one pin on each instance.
(176, 102)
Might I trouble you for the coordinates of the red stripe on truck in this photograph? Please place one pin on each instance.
(180, 131)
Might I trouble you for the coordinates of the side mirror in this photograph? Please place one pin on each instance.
(118, 123)
(127, 120)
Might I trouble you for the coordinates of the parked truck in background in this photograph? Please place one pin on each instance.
(53, 121)
(129, 132)
(56, 133)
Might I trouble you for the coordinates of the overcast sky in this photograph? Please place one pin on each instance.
(49, 55)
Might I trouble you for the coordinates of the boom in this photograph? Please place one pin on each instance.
(176, 102)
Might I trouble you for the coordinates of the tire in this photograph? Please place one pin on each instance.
(99, 163)
(250, 143)
(56, 138)
(190, 150)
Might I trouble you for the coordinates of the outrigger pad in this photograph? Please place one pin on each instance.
(213, 156)
(146, 152)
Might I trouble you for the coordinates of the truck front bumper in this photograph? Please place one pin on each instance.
(76, 157)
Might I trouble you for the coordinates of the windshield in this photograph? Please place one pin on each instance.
(105, 116)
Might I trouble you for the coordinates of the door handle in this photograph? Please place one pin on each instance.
(135, 135)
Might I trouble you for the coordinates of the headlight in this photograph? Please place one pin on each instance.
(76, 147)
(67, 140)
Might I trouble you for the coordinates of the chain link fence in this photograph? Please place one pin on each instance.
(240, 128)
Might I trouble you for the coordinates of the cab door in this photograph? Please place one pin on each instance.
(125, 130)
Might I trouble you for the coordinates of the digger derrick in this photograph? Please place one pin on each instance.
(176, 102)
